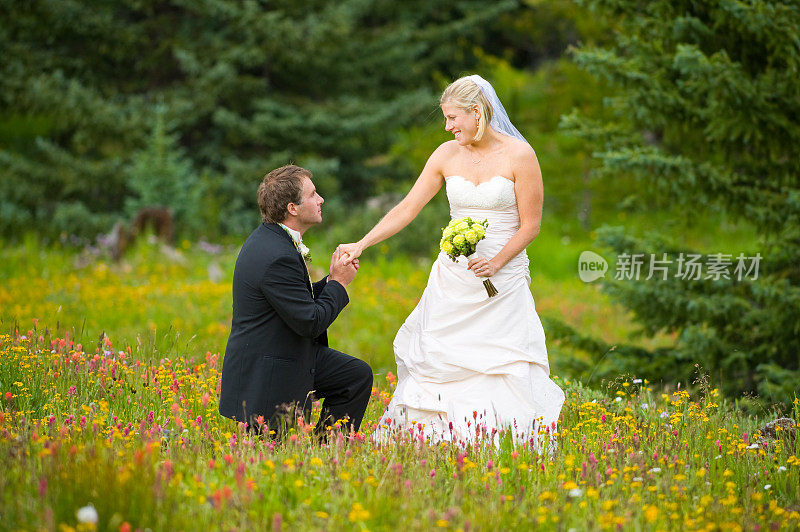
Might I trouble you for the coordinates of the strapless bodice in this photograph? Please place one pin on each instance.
(495, 201)
(495, 194)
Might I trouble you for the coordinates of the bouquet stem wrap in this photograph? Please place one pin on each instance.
(490, 289)
(461, 237)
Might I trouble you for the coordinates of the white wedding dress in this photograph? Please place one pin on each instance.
(470, 366)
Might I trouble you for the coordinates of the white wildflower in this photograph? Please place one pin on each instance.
(87, 514)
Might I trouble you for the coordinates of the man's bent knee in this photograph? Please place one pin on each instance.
(364, 373)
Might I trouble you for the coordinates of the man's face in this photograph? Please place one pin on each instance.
(309, 210)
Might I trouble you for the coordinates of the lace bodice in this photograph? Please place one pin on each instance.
(495, 194)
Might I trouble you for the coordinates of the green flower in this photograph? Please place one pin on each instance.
(479, 230)
(448, 231)
(459, 240)
(446, 247)
(471, 236)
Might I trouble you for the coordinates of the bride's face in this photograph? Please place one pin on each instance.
(460, 123)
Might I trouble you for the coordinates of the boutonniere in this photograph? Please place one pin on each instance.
(304, 251)
(299, 246)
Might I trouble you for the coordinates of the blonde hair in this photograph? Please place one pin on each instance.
(464, 93)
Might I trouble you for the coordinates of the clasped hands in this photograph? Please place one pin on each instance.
(349, 251)
(343, 268)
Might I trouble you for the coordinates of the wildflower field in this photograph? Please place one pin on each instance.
(109, 377)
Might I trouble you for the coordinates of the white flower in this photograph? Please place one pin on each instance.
(617, 399)
(637, 381)
(575, 492)
(655, 470)
(304, 251)
(768, 486)
(87, 514)
(645, 406)
(754, 446)
(637, 479)
(781, 469)
(664, 415)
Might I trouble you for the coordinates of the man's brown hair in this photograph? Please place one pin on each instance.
(279, 188)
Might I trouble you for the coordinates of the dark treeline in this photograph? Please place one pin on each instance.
(707, 114)
(111, 106)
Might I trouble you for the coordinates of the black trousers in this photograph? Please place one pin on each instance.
(344, 384)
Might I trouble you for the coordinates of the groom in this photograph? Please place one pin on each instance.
(277, 361)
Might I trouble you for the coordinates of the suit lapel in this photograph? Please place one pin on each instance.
(277, 229)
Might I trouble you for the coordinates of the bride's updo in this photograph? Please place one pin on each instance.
(464, 93)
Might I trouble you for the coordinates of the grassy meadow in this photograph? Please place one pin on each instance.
(109, 378)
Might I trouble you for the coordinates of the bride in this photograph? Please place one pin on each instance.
(470, 366)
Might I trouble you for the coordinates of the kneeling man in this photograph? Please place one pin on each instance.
(277, 361)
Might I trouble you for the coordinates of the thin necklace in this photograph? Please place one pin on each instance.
(473, 160)
(481, 157)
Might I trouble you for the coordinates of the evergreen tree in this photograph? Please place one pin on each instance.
(160, 175)
(247, 85)
(708, 116)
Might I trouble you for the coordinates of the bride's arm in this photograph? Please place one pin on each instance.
(530, 192)
(425, 188)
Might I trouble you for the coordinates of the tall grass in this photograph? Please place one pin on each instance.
(141, 443)
(108, 394)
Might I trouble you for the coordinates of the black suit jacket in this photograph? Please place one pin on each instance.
(276, 328)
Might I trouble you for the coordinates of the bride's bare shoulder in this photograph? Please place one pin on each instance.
(519, 148)
(445, 151)
(448, 147)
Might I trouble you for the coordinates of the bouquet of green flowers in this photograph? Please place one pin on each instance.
(461, 237)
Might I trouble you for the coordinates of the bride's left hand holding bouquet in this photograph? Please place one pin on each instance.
(461, 237)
